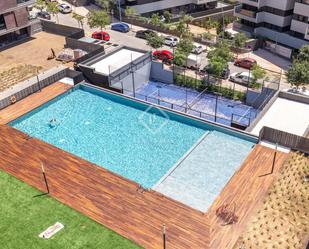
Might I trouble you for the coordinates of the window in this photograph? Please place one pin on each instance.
(2, 22)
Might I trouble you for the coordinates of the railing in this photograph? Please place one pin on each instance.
(284, 139)
(37, 83)
(243, 121)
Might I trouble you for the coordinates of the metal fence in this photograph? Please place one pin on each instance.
(284, 139)
(238, 121)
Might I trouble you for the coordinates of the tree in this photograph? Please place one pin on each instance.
(207, 36)
(185, 45)
(182, 29)
(98, 19)
(40, 4)
(303, 53)
(106, 5)
(298, 74)
(209, 24)
(154, 40)
(222, 50)
(130, 13)
(257, 73)
(168, 16)
(52, 8)
(217, 65)
(240, 40)
(187, 19)
(219, 27)
(180, 58)
(79, 18)
(155, 20)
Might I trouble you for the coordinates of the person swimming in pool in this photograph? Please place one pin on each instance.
(52, 123)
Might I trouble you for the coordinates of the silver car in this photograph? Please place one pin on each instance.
(64, 8)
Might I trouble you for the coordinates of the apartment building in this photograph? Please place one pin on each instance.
(283, 22)
(300, 21)
(148, 7)
(14, 21)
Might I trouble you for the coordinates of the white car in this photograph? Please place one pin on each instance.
(171, 41)
(64, 8)
(197, 49)
(241, 78)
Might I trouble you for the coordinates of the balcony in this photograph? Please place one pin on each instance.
(254, 3)
(248, 15)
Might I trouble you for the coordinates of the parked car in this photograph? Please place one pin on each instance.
(164, 55)
(142, 33)
(121, 27)
(171, 41)
(44, 15)
(247, 63)
(100, 35)
(197, 49)
(241, 78)
(225, 73)
(64, 8)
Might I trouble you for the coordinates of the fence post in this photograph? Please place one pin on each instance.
(44, 176)
(164, 236)
(274, 159)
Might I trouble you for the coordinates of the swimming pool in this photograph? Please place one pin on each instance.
(130, 138)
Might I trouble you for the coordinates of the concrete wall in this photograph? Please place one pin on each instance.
(283, 38)
(21, 16)
(158, 73)
(7, 4)
(63, 30)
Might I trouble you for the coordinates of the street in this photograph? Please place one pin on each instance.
(129, 39)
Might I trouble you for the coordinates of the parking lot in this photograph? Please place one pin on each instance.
(275, 65)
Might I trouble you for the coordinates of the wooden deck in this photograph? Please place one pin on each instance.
(119, 203)
(32, 101)
(103, 196)
(246, 189)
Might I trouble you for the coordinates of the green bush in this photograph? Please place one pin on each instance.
(199, 85)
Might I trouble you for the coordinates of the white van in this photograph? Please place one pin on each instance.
(241, 78)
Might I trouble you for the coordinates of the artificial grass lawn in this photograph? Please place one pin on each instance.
(23, 217)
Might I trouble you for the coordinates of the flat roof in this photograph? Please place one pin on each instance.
(285, 115)
(116, 60)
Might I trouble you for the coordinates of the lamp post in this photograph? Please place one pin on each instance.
(112, 13)
(248, 79)
(119, 9)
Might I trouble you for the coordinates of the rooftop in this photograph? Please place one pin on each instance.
(115, 61)
(285, 115)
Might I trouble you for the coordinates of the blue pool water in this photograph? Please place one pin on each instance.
(117, 133)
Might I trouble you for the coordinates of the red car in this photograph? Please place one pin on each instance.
(163, 55)
(101, 35)
(247, 63)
